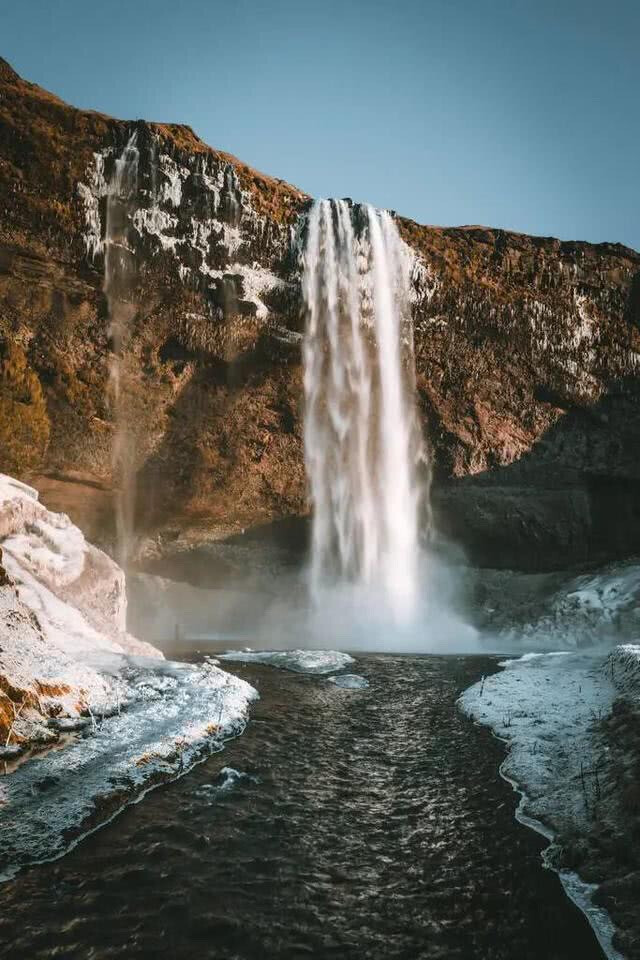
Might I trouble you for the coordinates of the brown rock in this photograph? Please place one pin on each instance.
(527, 349)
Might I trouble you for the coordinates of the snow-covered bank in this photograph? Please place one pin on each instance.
(68, 666)
(181, 715)
(550, 709)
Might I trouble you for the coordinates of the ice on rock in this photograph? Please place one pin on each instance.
(624, 669)
(68, 666)
(299, 661)
(562, 611)
(159, 737)
(191, 240)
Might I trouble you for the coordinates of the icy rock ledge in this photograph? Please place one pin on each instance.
(544, 706)
(69, 668)
(62, 622)
(318, 662)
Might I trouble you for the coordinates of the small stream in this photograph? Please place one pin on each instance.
(343, 824)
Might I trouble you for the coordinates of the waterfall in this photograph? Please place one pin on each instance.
(362, 438)
(119, 271)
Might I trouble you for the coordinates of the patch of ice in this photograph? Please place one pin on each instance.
(531, 656)
(90, 195)
(213, 183)
(157, 223)
(228, 778)
(77, 590)
(172, 184)
(257, 280)
(584, 329)
(350, 681)
(299, 661)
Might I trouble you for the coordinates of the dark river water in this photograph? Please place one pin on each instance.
(367, 824)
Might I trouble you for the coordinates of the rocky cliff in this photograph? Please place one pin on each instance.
(527, 350)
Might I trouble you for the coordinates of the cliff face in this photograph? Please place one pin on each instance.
(527, 349)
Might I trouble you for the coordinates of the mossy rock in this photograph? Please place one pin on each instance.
(24, 421)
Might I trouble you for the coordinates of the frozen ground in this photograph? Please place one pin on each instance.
(69, 668)
(571, 743)
(549, 709)
(181, 713)
(560, 611)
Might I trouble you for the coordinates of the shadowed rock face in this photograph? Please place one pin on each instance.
(527, 350)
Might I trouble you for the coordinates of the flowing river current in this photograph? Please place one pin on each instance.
(342, 824)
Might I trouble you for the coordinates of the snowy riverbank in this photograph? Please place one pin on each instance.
(551, 710)
(71, 676)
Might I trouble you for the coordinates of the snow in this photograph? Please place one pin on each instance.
(544, 706)
(172, 184)
(90, 196)
(547, 611)
(162, 221)
(350, 681)
(70, 667)
(156, 223)
(182, 713)
(299, 661)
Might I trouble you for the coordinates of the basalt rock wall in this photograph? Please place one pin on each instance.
(527, 350)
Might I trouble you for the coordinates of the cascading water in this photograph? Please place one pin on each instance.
(363, 444)
(119, 269)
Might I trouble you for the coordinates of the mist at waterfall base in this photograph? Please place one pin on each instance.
(355, 616)
(264, 603)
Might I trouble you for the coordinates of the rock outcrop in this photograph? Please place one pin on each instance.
(527, 350)
(63, 636)
(71, 675)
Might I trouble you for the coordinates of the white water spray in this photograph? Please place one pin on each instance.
(119, 269)
(363, 444)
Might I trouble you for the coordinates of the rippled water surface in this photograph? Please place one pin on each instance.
(364, 823)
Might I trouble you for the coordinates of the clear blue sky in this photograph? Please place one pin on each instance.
(522, 114)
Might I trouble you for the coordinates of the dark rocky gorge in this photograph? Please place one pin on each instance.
(527, 351)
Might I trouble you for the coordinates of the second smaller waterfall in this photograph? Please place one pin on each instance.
(119, 269)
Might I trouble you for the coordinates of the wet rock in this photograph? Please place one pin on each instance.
(527, 350)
